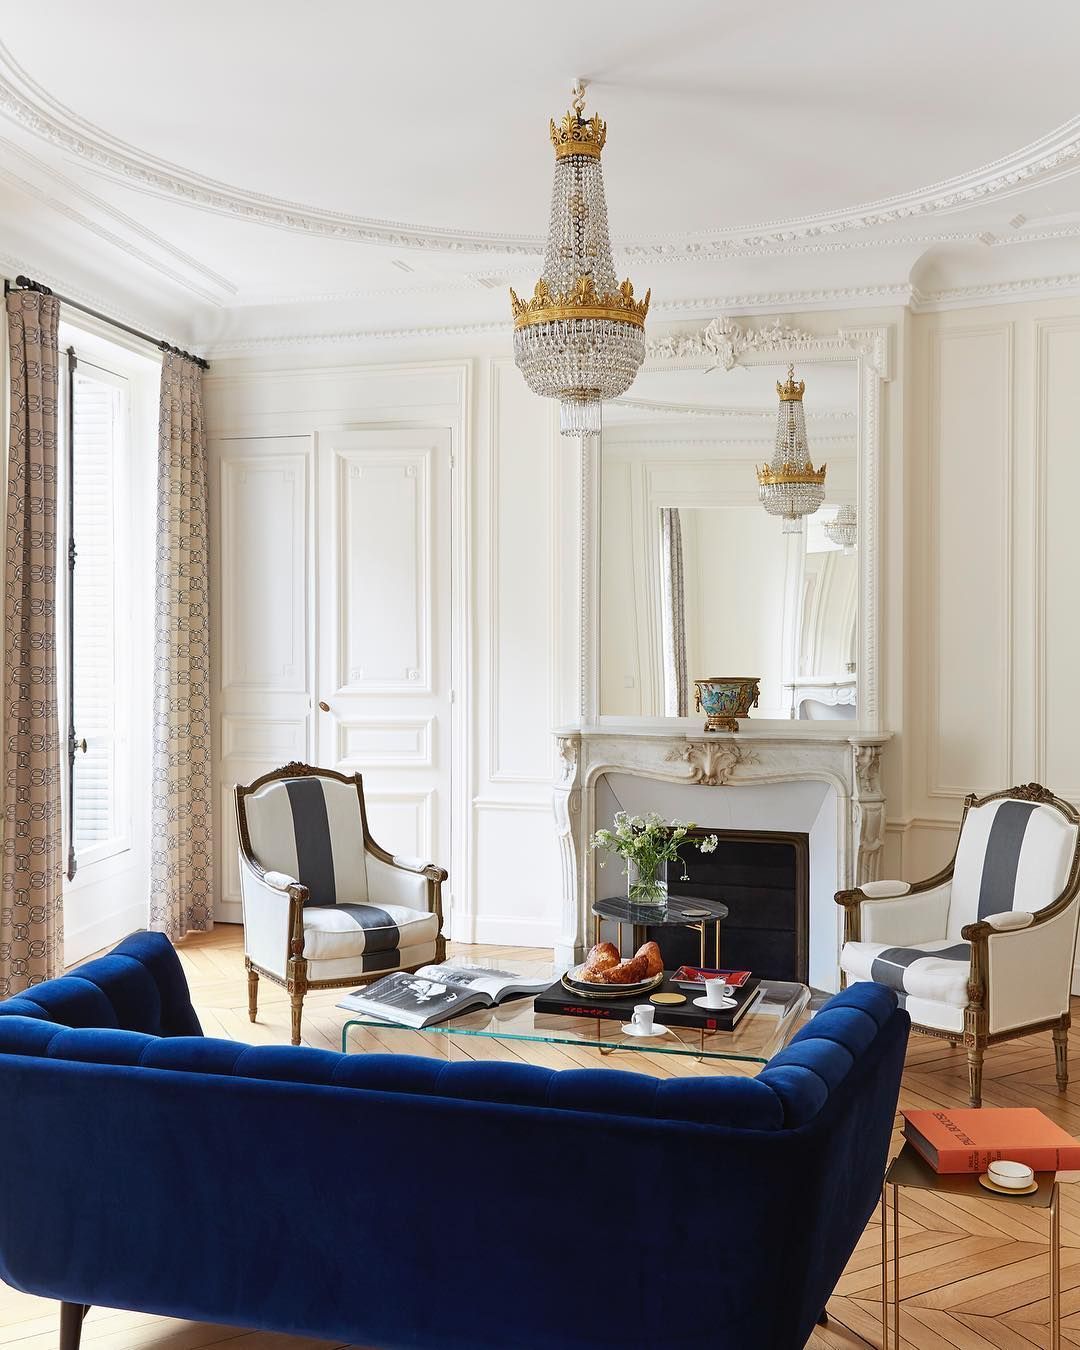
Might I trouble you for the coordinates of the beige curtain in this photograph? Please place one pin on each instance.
(181, 866)
(31, 903)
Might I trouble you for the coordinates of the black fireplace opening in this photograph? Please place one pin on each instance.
(763, 876)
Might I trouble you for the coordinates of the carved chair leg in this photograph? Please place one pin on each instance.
(1061, 1053)
(296, 1000)
(975, 1069)
(71, 1324)
(253, 994)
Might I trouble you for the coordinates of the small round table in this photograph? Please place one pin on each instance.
(682, 911)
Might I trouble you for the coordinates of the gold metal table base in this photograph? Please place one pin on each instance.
(908, 1169)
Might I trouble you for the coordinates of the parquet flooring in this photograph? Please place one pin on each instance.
(973, 1273)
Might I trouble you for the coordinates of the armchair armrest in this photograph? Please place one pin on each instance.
(896, 912)
(273, 905)
(1022, 965)
(406, 881)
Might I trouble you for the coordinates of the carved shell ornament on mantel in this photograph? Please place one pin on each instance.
(712, 764)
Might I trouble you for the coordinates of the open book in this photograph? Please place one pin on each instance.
(437, 992)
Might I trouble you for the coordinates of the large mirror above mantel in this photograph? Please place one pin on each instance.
(691, 577)
(696, 579)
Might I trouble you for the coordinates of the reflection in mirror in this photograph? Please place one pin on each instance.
(698, 581)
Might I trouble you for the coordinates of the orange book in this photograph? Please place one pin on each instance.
(970, 1139)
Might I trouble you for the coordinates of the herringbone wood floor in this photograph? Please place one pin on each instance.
(973, 1273)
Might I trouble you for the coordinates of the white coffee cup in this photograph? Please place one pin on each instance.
(642, 1019)
(716, 991)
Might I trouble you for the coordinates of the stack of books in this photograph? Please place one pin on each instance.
(969, 1139)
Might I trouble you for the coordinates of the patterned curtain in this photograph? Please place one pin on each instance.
(32, 900)
(181, 866)
(673, 608)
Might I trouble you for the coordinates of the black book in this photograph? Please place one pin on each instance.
(563, 1003)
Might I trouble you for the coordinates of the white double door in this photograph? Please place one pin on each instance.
(333, 633)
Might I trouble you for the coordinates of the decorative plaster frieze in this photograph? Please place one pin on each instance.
(712, 763)
(30, 106)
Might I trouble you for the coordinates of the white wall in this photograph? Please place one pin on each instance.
(492, 773)
(993, 555)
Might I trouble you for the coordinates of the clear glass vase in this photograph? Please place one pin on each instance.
(646, 887)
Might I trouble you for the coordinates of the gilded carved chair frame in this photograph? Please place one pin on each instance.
(296, 980)
(976, 1035)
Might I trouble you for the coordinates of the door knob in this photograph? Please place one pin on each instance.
(81, 745)
(323, 707)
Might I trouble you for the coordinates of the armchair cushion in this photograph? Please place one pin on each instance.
(335, 931)
(935, 971)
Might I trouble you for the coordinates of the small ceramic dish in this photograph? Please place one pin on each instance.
(1010, 1176)
(656, 1030)
(715, 1007)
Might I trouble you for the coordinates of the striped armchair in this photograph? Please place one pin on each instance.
(983, 951)
(324, 906)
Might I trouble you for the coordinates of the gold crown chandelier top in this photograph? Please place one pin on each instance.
(580, 337)
(789, 486)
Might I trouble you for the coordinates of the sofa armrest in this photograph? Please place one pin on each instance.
(895, 912)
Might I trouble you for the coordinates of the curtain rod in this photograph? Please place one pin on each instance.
(25, 284)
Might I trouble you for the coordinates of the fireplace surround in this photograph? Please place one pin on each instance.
(822, 783)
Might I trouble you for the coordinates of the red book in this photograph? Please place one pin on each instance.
(970, 1139)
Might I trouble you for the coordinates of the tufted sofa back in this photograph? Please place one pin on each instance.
(139, 986)
(132, 1008)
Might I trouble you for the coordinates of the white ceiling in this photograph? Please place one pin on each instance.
(258, 169)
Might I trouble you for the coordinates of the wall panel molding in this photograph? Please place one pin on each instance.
(969, 610)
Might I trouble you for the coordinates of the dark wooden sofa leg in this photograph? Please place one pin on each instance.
(823, 1318)
(71, 1324)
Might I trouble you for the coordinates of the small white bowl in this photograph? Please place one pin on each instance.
(1013, 1176)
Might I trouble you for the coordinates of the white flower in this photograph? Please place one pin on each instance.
(709, 845)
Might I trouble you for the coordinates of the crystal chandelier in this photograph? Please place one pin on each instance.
(789, 485)
(581, 338)
(844, 529)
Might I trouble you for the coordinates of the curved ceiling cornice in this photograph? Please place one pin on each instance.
(29, 105)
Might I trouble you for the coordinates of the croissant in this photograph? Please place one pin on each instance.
(654, 962)
(603, 955)
(627, 972)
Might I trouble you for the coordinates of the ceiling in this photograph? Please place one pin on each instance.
(256, 172)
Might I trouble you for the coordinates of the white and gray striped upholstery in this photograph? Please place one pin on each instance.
(1012, 855)
(310, 830)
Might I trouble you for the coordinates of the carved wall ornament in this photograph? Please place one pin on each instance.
(727, 341)
(712, 763)
(868, 770)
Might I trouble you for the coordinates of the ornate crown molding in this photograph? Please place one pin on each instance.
(29, 105)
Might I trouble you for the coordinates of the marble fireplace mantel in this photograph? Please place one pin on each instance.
(849, 763)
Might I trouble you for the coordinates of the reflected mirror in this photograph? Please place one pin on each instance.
(697, 580)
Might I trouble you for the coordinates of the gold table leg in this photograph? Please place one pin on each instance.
(1055, 1270)
(884, 1271)
(896, 1263)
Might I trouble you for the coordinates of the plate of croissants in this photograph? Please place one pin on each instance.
(606, 974)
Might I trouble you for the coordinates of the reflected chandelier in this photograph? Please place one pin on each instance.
(789, 485)
(581, 338)
(844, 529)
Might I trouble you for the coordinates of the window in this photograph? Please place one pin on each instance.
(97, 602)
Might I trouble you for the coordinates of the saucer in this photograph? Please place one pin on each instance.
(984, 1180)
(631, 1030)
(715, 1007)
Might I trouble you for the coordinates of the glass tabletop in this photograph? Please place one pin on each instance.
(776, 1014)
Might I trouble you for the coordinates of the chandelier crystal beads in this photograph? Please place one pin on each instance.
(581, 337)
(844, 529)
(789, 486)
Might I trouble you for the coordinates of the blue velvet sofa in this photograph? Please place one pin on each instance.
(398, 1201)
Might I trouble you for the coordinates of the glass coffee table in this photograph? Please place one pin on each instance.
(779, 1011)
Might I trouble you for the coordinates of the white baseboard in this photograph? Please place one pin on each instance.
(105, 931)
(507, 931)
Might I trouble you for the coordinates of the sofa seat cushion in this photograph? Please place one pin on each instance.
(335, 931)
(933, 971)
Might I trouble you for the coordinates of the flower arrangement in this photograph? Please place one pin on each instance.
(646, 843)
